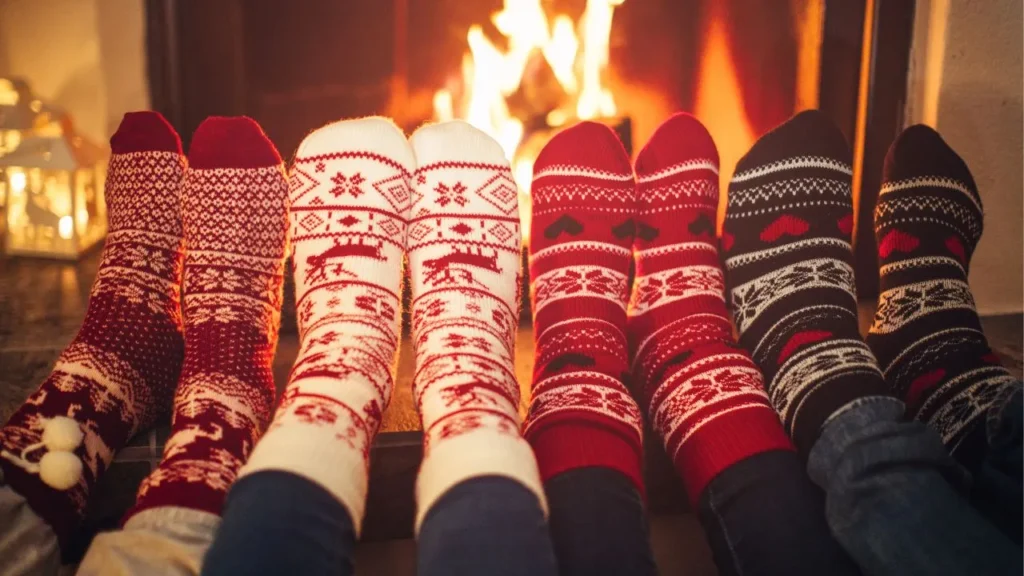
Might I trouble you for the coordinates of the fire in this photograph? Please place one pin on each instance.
(575, 55)
(719, 105)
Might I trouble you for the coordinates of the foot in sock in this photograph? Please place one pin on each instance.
(703, 394)
(235, 219)
(349, 207)
(117, 376)
(464, 257)
(926, 333)
(582, 413)
(789, 270)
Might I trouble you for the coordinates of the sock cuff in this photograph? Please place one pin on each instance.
(580, 443)
(479, 453)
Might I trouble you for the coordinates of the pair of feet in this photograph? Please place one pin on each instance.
(183, 315)
(362, 198)
(787, 243)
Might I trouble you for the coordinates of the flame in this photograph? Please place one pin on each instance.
(577, 55)
(719, 105)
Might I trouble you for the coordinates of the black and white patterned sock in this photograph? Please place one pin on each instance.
(926, 332)
(790, 277)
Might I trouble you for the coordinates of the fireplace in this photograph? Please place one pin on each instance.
(519, 69)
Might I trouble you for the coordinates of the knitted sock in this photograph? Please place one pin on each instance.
(235, 217)
(703, 394)
(349, 207)
(926, 332)
(464, 257)
(584, 200)
(790, 274)
(117, 376)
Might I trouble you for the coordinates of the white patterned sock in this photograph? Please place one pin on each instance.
(349, 207)
(465, 257)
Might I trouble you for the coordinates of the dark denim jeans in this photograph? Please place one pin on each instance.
(891, 501)
(598, 524)
(276, 522)
(279, 523)
(488, 525)
(998, 487)
(763, 515)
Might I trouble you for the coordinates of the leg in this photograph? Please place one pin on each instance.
(890, 500)
(349, 205)
(464, 258)
(791, 284)
(277, 522)
(583, 423)
(927, 334)
(28, 545)
(598, 523)
(704, 395)
(486, 525)
(234, 212)
(117, 376)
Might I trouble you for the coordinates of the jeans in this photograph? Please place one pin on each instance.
(486, 525)
(998, 487)
(890, 497)
(762, 515)
(598, 524)
(277, 522)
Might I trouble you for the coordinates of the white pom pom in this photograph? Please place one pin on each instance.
(60, 470)
(62, 434)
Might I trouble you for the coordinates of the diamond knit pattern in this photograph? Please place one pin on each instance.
(117, 376)
(349, 208)
(790, 277)
(464, 258)
(926, 331)
(703, 394)
(234, 212)
(584, 202)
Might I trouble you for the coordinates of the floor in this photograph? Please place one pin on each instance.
(42, 304)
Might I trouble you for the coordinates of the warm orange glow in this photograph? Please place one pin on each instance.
(577, 56)
(809, 26)
(719, 105)
(862, 113)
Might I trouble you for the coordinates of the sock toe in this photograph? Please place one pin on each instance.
(144, 131)
(920, 152)
(231, 142)
(370, 135)
(681, 138)
(437, 142)
(587, 145)
(808, 134)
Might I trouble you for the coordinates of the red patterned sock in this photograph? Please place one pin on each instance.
(118, 374)
(703, 394)
(584, 202)
(235, 216)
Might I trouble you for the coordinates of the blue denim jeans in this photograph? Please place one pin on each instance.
(891, 501)
(276, 522)
(762, 515)
(998, 487)
(598, 524)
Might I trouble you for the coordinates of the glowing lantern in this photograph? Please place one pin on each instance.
(53, 185)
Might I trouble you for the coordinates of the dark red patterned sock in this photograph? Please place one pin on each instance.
(235, 216)
(584, 203)
(117, 376)
(926, 332)
(790, 274)
(702, 392)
